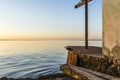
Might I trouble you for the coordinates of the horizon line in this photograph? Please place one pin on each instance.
(49, 39)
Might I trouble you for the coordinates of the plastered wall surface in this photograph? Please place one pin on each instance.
(111, 28)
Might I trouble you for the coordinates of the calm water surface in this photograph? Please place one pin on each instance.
(33, 58)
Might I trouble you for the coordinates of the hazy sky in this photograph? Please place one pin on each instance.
(48, 19)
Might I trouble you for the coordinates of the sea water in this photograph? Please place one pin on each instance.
(21, 59)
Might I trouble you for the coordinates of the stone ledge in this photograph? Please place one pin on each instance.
(85, 74)
(92, 51)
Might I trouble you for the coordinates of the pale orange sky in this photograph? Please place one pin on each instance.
(46, 19)
(49, 36)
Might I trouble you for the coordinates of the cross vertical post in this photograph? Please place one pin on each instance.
(85, 2)
(86, 24)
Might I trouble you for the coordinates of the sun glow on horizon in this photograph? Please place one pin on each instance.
(48, 20)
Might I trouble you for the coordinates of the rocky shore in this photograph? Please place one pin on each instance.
(59, 76)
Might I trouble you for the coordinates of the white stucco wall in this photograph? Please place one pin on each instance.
(111, 28)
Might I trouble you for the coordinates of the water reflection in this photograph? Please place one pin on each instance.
(34, 58)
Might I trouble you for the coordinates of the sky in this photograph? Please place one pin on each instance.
(48, 19)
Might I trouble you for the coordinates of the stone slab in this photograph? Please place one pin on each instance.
(92, 51)
(85, 74)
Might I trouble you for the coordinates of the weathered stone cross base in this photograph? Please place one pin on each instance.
(90, 59)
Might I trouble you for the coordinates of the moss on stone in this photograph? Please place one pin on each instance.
(106, 51)
(116, 51)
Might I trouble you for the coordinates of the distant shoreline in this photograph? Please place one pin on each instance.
(46, 40)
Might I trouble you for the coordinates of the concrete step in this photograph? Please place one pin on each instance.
(85, 74)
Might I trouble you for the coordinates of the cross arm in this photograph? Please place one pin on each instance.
(81, 4)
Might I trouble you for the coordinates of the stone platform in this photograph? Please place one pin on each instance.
(91, 51)
(91, 59)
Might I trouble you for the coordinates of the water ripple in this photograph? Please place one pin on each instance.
(31, 59)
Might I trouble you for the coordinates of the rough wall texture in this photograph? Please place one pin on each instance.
(107, 65)
(111, 28)
(72, 58)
